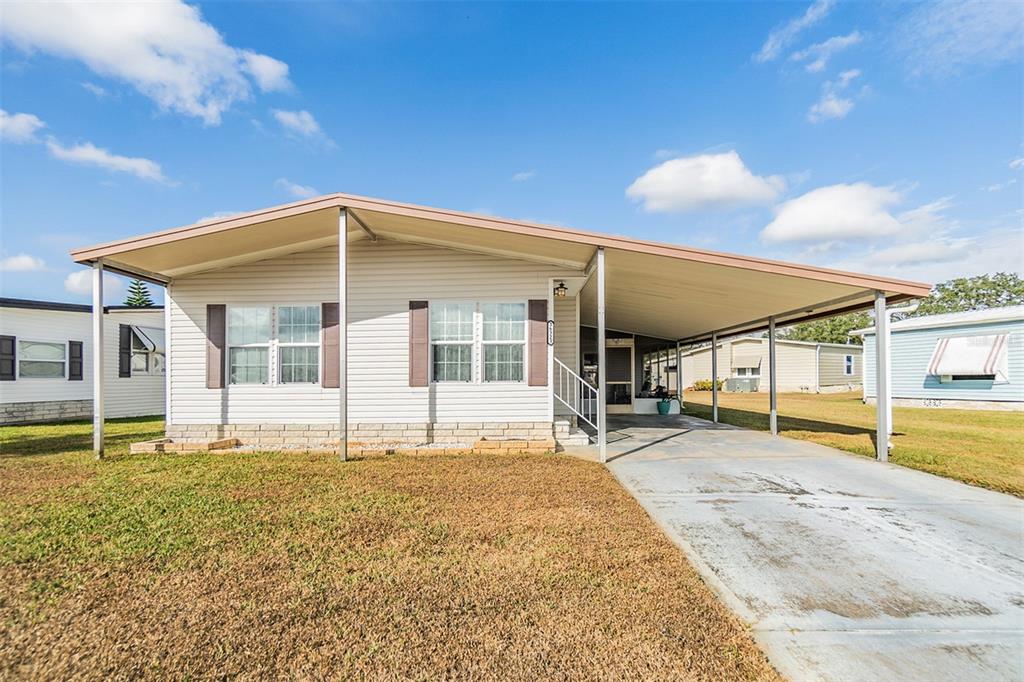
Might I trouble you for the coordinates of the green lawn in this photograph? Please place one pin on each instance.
(984, 448)
(288, 565)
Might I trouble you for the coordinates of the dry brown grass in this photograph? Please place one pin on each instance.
(283, 565)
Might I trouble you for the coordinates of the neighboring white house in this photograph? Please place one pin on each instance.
(972, 360)
(387, 322)
(46, 361)
(802, 366)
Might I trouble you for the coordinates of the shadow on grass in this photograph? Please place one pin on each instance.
(758, 421)
(75, 436)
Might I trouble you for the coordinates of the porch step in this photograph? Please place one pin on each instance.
(577, 438)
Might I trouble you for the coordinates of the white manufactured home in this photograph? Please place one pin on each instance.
(803, 367)
(350, 318)
(46, 361)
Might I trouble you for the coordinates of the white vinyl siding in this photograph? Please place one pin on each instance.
(383, 278)
(140, 395)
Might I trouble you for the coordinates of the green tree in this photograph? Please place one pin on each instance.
(138, 295)
(973, 293)
(829, 330)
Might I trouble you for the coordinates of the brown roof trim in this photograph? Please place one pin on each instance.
(505, 225)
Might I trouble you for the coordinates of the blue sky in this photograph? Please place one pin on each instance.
(884, 138)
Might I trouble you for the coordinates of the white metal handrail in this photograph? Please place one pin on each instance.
(576, 393)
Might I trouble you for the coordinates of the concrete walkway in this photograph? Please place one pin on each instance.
(847, 569)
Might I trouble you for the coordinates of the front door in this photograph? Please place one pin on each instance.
(619, 396)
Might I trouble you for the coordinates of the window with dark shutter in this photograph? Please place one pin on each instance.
(8, 357)
(75, 358)
(538, 340)
(216, 326)
(124, 351)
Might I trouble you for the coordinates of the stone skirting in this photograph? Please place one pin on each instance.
(45, 411)
(315, 436)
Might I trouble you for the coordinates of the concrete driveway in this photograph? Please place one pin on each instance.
(846, 569)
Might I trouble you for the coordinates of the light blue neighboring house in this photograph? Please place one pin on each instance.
(972, 360)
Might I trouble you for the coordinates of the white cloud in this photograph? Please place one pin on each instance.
(163, 49)
(22, 263)
(942, 38)
(217, 215)
(270, 74)
(523, 176)
(702, 181)
(88, 154)
(95, 89)
(300, 122)
(918, 253)
(79, 283)
(1000, 186)
(782, 36)
(834, 103)
(820, 53)
(296, 190)
(663, 154)
(1017, 164)
(19, 128)
(929, 218)
(836, 212)
(937, 260)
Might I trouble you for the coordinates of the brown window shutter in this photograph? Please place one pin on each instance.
(216, 332)
(124, 351)
(419, 343)
(537, 373)
(74, 360)
(331, 340)
(8, 357)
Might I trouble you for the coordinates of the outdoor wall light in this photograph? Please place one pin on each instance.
(561, 290)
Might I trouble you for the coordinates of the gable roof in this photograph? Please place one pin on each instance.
(715, 290)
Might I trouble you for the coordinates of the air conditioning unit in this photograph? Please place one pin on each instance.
(742, 384)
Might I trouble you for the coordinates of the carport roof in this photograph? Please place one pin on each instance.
(662, 290)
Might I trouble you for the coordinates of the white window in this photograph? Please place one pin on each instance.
(748, 371)
(504, 341)
(274, 345)
(41, 360)
(451, 341)
(249, 345)
(147, 350)
(298, 336)
(848, 365)
(483, 342)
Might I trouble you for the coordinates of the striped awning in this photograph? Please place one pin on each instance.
(970, 356)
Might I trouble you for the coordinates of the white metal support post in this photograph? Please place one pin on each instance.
(602, 370)
(343, 335)
(882, 396)
(773, 394)
(679, 375)
(714, 377)
(97, 359)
